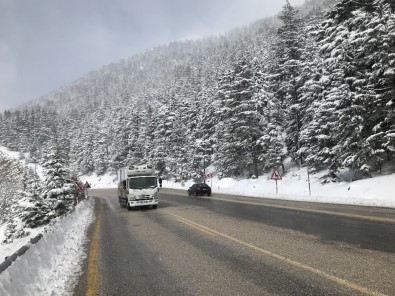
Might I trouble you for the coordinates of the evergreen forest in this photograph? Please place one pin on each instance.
(314, 84)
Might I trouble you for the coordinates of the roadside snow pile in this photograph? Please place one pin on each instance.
(28, 214)
(23, 212)
(53, 265)
(100, 182)
(377, 191)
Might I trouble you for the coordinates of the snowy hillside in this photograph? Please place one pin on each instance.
(314, 84)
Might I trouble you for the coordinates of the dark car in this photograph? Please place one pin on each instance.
(199, 189)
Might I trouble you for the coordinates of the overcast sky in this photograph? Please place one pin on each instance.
(45, 44)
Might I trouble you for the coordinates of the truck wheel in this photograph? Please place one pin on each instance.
(154, 206)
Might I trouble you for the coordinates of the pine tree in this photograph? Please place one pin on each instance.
(362, 110)
(389, 73)
(56, 174)
(239, 130)
(381, 84)
(271, 141)
(287, 70)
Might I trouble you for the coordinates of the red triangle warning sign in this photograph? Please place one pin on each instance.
(276, 175)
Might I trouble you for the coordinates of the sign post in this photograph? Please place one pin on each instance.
(276, 176)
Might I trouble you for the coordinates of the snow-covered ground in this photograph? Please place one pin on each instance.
(11, 154)
(52, 266)
(377, 191)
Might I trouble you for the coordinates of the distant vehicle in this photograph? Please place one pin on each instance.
(199, 189)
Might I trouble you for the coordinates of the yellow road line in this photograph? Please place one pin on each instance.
(91, 285)
(332, 278)
(196, 226)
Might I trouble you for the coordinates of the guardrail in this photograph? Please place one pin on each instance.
(9, 259)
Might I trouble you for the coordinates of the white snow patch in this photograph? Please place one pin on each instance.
(377, 191)
(100, 182)
(10, 248)
(53, 265)
(11, 154)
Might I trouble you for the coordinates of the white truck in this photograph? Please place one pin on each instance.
(137, 186)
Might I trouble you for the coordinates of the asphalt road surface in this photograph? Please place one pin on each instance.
(228, 245)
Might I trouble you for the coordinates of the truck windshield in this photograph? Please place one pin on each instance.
(142, 182)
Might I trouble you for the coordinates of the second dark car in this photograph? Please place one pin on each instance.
(199, 189)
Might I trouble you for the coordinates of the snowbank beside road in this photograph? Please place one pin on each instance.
(377, 191)
(53, 265)
(100, 182)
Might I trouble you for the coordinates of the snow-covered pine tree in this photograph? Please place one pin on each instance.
(119, 144)
(9, 131)
(380, 51)
(271, 123)
(202, 130)
(389, 77)
(135, 148)
(287, 73)
(100, 153)
(314, 79)
(160, 143)
(149, 132)
(56, 174)
(238, 130)
(177, 134)
(31, 181)
(324, 132)
(354, 48)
